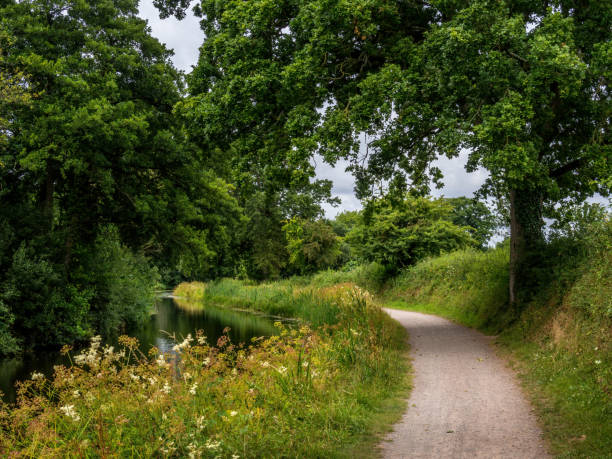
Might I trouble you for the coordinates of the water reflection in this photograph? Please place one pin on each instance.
(169, 320)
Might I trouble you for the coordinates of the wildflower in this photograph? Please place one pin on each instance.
(235, 456)
(186, 376)
(134, 377)
(194, 451)
(206, 361)
(200, 422)
(202, 340)
(95, 342)
(282, 370)
(152, 381)
(192, 391)
(69, 411)
(233, 413)
(305, 364)
(210, 444)
(109, 350)
(265, 364)
(76, 394)
(37, 376)
(169, 448)
(161, 361)
(234, 371)
(597, 362)
(166, 389)
(186, 343)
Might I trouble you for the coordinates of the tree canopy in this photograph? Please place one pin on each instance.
(523, 86)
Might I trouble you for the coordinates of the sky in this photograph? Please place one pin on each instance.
(185, 38)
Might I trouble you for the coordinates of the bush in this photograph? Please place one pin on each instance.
(123, 284)
(46, 310)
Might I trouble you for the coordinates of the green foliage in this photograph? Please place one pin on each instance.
(522, 86)
(13, 88)
(8, 342)
(312, 246)
(98, 145)
(46, 311)
(469, 285)
(476, 215)
(398, 234)
(123, 284)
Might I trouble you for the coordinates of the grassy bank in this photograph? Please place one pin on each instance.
(560, 343)
(321, 390)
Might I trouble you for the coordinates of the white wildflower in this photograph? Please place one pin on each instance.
(210, 444)
(186, 343)
(152, 381)
(69, 411)
(76, 394)
(206, 361)
(202, 340)
(233, 413)
(194, 451)
(265, 364)
(192, 391)
(282, 370)
(305, 364)
(134, 377)
(109, 350)
(161, 361)
(37, 376)
(186, 376)
(166, 389)
(597, 362)
(95, 342)
(200, 422)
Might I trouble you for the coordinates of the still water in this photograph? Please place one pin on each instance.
(169, 319)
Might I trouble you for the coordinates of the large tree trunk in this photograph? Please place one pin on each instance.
(525, 234)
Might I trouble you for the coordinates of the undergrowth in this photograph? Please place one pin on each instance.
(321, 390)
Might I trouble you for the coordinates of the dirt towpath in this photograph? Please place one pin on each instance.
(465, 402)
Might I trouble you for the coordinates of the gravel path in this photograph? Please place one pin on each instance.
(465, 402)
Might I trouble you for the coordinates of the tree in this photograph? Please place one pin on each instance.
(99, 152)
(522, 85)
(312, 245)
(475, 215)
(398, 233)
(13, 87)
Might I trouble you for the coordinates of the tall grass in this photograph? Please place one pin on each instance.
(324, 391)
(470, 286)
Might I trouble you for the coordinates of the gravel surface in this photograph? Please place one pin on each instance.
(465, 402)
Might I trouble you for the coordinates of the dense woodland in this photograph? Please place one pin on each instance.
(119, 175)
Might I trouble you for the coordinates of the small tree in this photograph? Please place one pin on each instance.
(312, 245)
(398, 234)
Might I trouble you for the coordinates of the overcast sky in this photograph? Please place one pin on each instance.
(185, 37)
